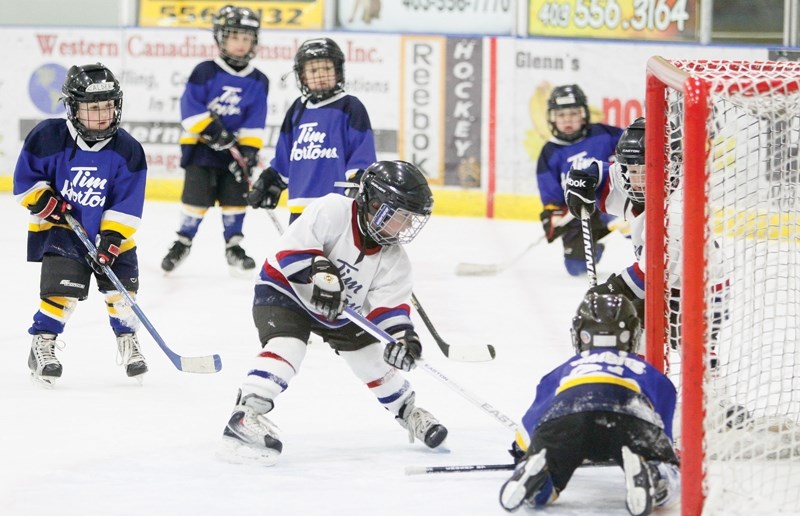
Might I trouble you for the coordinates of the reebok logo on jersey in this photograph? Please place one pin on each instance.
(68, 283)
(577, 183)
(309, 144)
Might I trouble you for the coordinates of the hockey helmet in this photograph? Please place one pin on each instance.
(236, 19)
(394, 202)
(89, 84)
(606, 321)
(568, 96)
(629, 171)
(319, 48)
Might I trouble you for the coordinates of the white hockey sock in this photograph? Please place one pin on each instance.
(274, 367)
(384, 381)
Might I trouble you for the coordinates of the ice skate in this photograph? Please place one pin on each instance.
(177, 253)
(42, 361)
(249, 437)
(130, 357)
(421, 424)
(640, 481)
(240, 264)
(530, 483)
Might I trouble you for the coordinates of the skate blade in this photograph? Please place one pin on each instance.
(48, 382)
(236, 452)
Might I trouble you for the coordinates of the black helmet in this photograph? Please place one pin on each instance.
(630, 153)
(394, 202)
(568, 96)
(88, 84)
(606, 321)
(236, 19)
(319, 48)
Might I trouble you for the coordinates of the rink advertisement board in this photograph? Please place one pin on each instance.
(614, 19)
(484, 17)
(275, 14)
(470, 112)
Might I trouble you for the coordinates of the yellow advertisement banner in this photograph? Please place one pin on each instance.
(275, 14)
(614, 19)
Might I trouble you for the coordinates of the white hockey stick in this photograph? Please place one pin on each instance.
(588, 246)
(492, 269)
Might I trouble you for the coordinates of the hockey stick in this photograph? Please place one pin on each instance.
(384, 337)
(422, 470)
(588, 247)
(205, 364)
(461, 353)
(492, 269)
(276, 222)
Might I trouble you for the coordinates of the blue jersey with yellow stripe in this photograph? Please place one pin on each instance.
(606, 380)
(104, 183)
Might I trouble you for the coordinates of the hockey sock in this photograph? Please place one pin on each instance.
(191, 217)
(120, 315)
(53, 314)
(232, 221)
(389, 386)
(274, 367)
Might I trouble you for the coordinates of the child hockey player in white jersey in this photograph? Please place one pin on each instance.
(340, 252)
(89, 167)
(605, 403)
(326, 138)
(224, 116)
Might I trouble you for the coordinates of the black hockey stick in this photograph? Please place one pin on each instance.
(206, 364)
(461, 353)
(424, 470)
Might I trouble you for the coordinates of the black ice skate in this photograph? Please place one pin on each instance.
(130, 357)
(530, 483)
(249, 436)
(421, 424)
(238, 260)
(641, 479)
(177, 253)
(42, 361)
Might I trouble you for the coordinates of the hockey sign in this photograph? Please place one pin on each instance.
(614, 19)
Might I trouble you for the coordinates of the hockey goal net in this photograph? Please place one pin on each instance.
(723, 276)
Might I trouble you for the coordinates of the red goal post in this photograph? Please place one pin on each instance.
(722, 140)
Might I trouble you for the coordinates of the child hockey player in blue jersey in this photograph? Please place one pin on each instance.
(574, 140)
(342, 251)
(89, 167)
(326, 137)
(224, 116)
(605, 403)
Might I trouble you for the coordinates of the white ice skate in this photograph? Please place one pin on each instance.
(529, 483)
(130, 357)
(421, 424)
(42, 361)
(249, 437)
(640, 479)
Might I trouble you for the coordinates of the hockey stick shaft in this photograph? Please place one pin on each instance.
(468, 468)
(461, 353)
(384, 337)
(276, 222)
(588, 246)
(207, 364)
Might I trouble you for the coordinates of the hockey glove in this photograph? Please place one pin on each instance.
(328, 294)
(579, 192)
(244, 160)
(403, 353)
(551, 222)
(107, 243)
(50, 207)
(517, 453)
(266, 190)
(216, 136)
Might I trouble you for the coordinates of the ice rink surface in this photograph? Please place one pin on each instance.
(99, 444)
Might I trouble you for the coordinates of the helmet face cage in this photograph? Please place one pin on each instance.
(320, 48)
(629, 170)
(231, 20)
(569, 96)
(606, 321)
(92, 84)
(394, 202)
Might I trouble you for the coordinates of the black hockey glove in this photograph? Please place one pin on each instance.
(216, 136)
(403, 353)
(50, 207)
(579, 192)
(517, 453)
(107, 243)
(249, 159)
(266, 190)
(328, 295)
(551, 222)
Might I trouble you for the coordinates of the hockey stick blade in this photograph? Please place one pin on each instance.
(205, 364)
(462, 353)
(477, 269)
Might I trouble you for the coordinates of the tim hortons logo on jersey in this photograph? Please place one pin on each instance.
(228, 102)
(346, 273)
(308, 144)
(85, 189)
